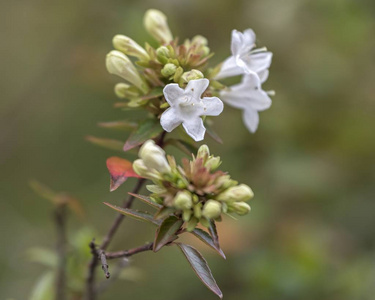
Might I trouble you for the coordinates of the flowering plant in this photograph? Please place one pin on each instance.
(175, 84)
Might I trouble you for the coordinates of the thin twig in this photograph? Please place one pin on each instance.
(130, 252)
(103, 259)
(60, 218)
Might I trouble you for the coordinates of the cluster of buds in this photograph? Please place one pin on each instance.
(196, 191)
(174, 83)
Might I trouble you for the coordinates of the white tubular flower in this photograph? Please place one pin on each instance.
(187, 107)
(119, 64)
(154, 157)
(129, 47)
(156, 24)
(243, 60)
(248, 96)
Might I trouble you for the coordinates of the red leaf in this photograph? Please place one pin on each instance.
(119, 169)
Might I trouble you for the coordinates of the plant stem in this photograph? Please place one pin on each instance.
(130, 252)
(60, 218)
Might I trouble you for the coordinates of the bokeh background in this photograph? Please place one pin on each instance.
(311, 231)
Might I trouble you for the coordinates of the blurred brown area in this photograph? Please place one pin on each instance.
(311, 164)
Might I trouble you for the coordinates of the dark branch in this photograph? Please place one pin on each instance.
(130, 252)
(103, 259)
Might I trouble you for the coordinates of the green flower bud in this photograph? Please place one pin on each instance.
(197, 210)
(129, 47)
(156, 189)
(213, 163)
(211, 209)
(123, 90)
(191, 75)
(192, 224)
(156, 24)
(178, 74)
(241, 208)
(163, 54)
(154, 157)
(119, 64)
(203, 152)
(237, 193)
(183, 200)
(186, 215)
(168, 70)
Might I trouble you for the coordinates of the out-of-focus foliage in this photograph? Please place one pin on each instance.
(311, 163)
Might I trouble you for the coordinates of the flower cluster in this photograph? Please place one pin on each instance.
(195, 191)
(174, 83)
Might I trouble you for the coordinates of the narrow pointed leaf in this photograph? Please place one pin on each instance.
(106, 143)
(118, 125)
(200, 267)
(167, 232)
(213, 232)
(163, 212)
(207, 239)
(213, 133)
(146, 200)
(146, 130)
(135, 214)
(119, 169)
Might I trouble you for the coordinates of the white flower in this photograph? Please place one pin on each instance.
(187, 106)
(248, 96)
(154, 157)
(243, 60)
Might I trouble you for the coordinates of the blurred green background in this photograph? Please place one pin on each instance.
(311, 164)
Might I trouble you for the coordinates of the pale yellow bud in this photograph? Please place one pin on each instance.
(163, 54)
(203, 152)
(241, 208)
(237, 193)
(168, 70)
(213, 163)
(198, 210)
(129, 47)
(183, 200)
(154, 157)
(199, 40)
(119, 64)
(123, 90)
(156, 24)
(186, 215)
(211, 209)
(191, 75)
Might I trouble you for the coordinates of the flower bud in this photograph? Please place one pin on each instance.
(213, 163)
(119, 64)
(129, 47)
(123, 90)
(211, 209)
(192, 224)
(168, 70)
(197, 210)
(183, 200)
(203, 152)
(237, 193)
(186, 215)
(241, 208)
(154, 157)
(163, 54)
(199, 40)
(140, 168)
(156, 24)
(191, 75)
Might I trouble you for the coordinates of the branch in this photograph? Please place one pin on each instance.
(60, 218)
(130, 252)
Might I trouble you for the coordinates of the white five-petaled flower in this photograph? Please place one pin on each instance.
(187, 107)
(244, 60)
(248, 96)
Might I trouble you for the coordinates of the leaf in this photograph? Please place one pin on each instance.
(184, 146)
(167, 232)
(212, 133)
(207, 239)
(106, 143)
(213, 232)
(146, 130)
(135, 214)
(200, 267)
(119, 169)
(43, 191)
(44, 288)
(118, 125)
(146, 200)
(163, 212)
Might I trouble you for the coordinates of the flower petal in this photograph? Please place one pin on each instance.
(212, 106)
(256, 62)
(251, 119)
(236, 42)
(195, 128)
(170, 120)
(172, 92)
(263, 75)
(197, 87)
(229, 68)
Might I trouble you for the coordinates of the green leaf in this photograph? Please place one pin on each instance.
(184, 146)
(44, 288)
(147, 130)
(118, 125)
(163, 212)
(135, 214)
(200, 267)
(207, 239)
(167, 232)
(213, 232)
(106, 143)
(146, 200)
